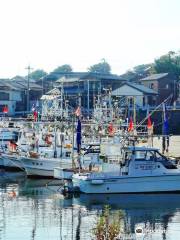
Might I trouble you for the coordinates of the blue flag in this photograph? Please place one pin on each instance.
(78, 136)
(165, 121)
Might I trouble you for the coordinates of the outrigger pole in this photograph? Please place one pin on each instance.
(150, 114)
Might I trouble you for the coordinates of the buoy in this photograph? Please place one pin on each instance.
(12, 194)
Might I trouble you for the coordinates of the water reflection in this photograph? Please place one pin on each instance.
(152, 211)
(39, 211)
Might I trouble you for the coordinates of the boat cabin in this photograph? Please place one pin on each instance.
(143, 160)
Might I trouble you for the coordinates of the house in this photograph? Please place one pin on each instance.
(9, 95)
(130, 93)
(164, 84)
(13, 94)
(35, 91)
(82, 88)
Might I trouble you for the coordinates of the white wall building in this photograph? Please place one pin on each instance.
(13, 94)
(132, 92)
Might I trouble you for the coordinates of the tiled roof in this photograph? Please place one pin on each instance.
(32, 85)
(154, 76)
(102, 76)
(18, 85)
(142, 88)
(6, 83)
(82, 75)
(138, 87)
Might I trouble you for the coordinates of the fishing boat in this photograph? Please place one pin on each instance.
(89, 158)
(141, 170)
(36, 164)
(11, 161)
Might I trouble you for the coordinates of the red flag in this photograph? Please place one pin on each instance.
(35, 113)
(78, 112)
(110, 129)
(5, 109)
(149, 123)
(131, 125)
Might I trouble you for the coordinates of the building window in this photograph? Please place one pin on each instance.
(4, 96)
(151, 86)
(144, 102)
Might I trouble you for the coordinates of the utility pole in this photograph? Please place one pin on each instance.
(88, 97)
(28, 68)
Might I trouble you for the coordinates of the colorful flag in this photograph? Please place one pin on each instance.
(78, 111)
(149, 123)
(110, 129)
(5, 109)
(131, 125)
(165, 121)
(78, 136)
(35, 114)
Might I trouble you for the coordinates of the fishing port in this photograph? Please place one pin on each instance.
(62, 165)
(89, 120)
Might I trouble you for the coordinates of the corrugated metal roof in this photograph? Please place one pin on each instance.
(154, 76)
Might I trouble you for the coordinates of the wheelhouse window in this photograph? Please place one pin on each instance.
(68, 154)
(144, 155)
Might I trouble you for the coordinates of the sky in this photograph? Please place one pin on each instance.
(48, 33)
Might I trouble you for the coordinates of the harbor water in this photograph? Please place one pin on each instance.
(34, 209)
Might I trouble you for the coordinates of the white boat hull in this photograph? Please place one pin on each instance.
(61, 173)
(11, 162)
(125, 184)
(43, 167)
(38, 172)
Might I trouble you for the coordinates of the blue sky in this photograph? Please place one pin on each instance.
(49, 33)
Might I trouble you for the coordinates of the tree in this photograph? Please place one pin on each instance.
(63, 68)
(37, 74)
(169, 63)
(143, 68)
(138, 72)
(102, 67)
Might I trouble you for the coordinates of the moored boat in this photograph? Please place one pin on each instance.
(142, 170)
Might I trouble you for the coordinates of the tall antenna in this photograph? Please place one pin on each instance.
(28, 68)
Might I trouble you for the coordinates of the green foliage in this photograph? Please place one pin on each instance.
(139, 72)
(169, 63)
(141, 69)
(108, 227)
(66, 68)
(37, 74)
(102, 67)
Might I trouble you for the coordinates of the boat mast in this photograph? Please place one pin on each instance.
(134, 115)
(73, 163)
(55, 140)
